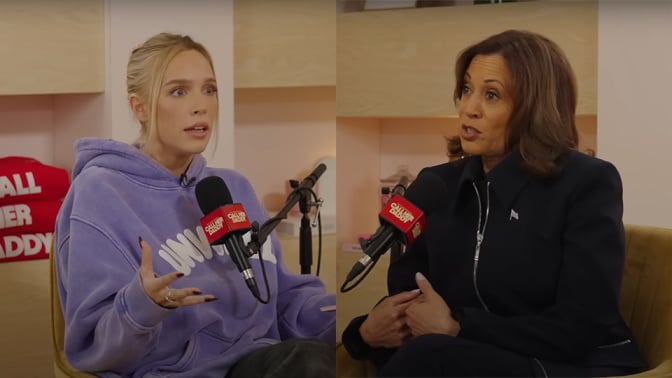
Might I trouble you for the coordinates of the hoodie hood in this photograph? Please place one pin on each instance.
(130, 161)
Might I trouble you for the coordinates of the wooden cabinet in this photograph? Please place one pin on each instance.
(400, 63)
(288, 43)
(52, 47)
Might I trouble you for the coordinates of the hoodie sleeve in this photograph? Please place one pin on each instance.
(110, 322)
(300, 298)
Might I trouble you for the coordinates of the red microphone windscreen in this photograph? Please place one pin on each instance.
(405, 217)
(226, 219)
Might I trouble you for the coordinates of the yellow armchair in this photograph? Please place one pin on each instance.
(646, 295)
(646, 303)
(62, 367)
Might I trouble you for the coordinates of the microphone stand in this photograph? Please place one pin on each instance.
(300, 194)
(305, 233)
(373, 243)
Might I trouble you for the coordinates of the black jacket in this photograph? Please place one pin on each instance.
(548, 275)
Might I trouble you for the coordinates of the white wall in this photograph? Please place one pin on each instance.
(26, 126)
(357, 176)
(130, 22)
(280, 134)
(634, 112)
(415, 142)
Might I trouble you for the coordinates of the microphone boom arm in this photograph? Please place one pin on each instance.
(260, 234)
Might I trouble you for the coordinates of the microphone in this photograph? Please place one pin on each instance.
(224, 223)
(307, 183)
(402, 219)
(401, 186)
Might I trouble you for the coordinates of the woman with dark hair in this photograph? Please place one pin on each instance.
(518, 272)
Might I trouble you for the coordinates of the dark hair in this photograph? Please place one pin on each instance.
(542, 127)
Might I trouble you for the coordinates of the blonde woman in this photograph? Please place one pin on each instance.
(141, 293)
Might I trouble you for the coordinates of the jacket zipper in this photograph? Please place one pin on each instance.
(480, 233)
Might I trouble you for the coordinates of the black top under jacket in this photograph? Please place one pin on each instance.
(550, 264)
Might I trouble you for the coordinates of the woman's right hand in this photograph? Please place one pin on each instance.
(385, 325)
(158, 287)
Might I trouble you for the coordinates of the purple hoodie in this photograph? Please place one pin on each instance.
(112, 326)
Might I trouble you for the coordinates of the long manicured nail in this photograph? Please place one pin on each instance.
(210, 299)
(196, 292)
(178, 275)
(420, 276)
(140, 241)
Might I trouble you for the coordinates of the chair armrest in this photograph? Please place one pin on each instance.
(346, 366)
(662, 370)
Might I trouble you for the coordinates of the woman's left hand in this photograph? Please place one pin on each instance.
(158, 287)
(429, 313)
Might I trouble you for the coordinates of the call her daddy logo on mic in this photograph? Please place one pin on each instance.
(404, 216)
(225, 219)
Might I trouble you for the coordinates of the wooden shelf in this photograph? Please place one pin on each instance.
(52, 47)
(284, 43)
(400, 63)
